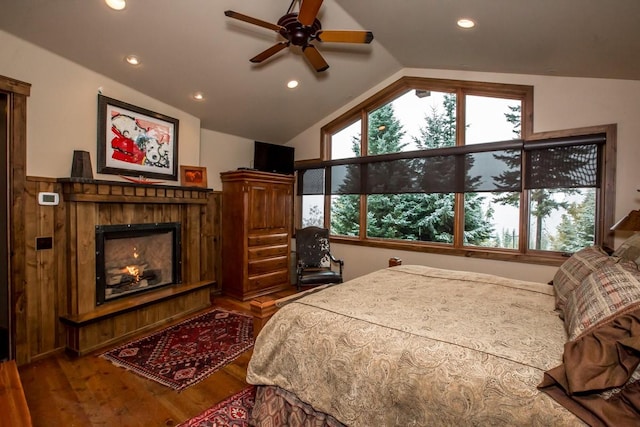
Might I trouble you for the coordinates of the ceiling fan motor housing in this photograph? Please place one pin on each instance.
(297, 33)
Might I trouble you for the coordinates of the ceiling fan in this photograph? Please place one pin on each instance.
(300, 29)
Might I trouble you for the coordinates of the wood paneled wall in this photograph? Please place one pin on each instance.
(61, 281)
(38, 330)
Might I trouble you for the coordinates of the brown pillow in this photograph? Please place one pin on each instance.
(607, 292)
(574, 270)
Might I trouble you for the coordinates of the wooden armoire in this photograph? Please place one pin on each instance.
(257, 210)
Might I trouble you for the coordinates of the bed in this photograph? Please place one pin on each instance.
(419, 346)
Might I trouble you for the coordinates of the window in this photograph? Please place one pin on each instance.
(453, 166)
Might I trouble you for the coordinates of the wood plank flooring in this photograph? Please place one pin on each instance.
(90, 391)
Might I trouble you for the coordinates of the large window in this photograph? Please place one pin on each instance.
(454, 166)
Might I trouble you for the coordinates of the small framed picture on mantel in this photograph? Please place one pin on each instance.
(193, 176)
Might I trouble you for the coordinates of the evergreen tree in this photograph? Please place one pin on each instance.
(385, 133)
(543, 201)
(345, 215)
(577, 226)
(410, 216)
(440, 131)
(509, 238)
(314, 218)
(585, 218)
(440, 128)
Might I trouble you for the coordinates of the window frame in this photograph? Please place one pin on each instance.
(605, 194)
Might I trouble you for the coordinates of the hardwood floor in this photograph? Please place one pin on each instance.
(90, 391)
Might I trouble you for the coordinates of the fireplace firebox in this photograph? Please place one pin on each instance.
(134, 258)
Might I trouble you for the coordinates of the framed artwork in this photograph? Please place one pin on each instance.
(193, 176)
(134, 141)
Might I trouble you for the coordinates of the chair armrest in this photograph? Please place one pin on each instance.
(337, 261)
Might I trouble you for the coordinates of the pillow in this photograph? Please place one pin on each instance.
(574, 270)
(630, 249)
(610, 291)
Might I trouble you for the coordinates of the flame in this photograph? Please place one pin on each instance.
(134, 271)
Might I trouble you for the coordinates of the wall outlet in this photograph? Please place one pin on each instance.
(44, 243)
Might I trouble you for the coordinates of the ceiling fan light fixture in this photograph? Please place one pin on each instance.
(292, 84)
(116, 4)
(466, 23)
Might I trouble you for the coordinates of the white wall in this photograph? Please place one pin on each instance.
(62, 109)
(559, 103)
(221, 152)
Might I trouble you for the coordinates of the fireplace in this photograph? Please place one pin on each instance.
(135, 258)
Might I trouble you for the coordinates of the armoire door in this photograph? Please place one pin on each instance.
(259, 217)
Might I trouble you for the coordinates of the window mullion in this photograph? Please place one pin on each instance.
(461, 109)
(364, 151)
(458, 225)
(523, 236)
(459, 206)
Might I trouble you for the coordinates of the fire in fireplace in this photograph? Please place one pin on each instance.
(133, 258)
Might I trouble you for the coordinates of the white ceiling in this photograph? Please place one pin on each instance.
(189, 45)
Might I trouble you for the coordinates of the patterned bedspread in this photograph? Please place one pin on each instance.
(418, 346)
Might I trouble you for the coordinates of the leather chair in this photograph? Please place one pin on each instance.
(314, 266)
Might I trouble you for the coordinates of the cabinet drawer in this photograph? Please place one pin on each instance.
(267, 280)
(267, 265)
(268, 239)
(267, 251)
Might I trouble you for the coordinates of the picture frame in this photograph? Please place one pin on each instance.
(134, 141)
(193, 176)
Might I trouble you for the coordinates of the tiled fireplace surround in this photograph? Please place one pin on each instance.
(89, 204)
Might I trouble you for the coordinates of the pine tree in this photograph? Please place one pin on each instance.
(440, 131)
(577, 227)
(314, 218)
(543, 201)
(410, 216)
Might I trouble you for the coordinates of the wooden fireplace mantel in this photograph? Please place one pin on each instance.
(98, 191)
(90, 203)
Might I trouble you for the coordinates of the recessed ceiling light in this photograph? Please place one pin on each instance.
(292, 84)
(133, 60)
(198, 96)
(116, 4)
(466, 23)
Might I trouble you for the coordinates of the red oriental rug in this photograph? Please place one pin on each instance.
(231, 412)
(187, 353)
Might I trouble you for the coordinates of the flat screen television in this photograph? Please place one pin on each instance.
(273, 158)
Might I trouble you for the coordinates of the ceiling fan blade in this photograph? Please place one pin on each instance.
(314, 57)
(340, 36)
(269, 52)
(254, 21)
(308, 11)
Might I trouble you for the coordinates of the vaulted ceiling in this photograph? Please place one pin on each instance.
(189, 46)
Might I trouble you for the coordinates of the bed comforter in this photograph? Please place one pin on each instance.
(418, 346)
